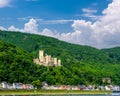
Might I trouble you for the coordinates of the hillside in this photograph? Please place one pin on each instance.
(15, 64)
(80, 64)
(63, 50)
(113, 53)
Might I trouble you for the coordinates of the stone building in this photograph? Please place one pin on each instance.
(47, 60)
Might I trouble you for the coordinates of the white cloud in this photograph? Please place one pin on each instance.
(31, 26)
(24, 18)
(13, 28)
(82, 33)
(47, 32)
(31, 0)
(104, 32)
(42, 21)
(4, 3)
(2, 28)
(61, 21)
(89, 13)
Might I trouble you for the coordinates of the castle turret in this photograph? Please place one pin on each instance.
(59, 62)
(55, 61)
(41, 56)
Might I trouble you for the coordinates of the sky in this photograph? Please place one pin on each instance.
(94, 23)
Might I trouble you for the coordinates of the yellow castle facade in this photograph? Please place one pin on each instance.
(47, 60)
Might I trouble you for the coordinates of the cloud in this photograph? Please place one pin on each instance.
(47, 32)
(4, 3)
(2, 28)
(62, 21)
(31, 26)
(13, 28)
(109, 0)
(89, 13)
(42, 21)
(82, 33)
(24, 18)
(104, 32)
(31, 0)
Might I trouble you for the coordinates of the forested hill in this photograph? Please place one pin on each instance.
(114, 53)
(63, 50)
(15, 64)
(80, 64)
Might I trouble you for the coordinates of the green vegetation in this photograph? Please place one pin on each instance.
(15, 64)
(80, 64)
(54, 92)
(37, 84)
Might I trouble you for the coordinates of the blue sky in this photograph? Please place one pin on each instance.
(48, 10)
(74, 21)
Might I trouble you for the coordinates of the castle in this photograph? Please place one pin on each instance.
(47, 60)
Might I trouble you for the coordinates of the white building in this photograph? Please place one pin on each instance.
(5, 85)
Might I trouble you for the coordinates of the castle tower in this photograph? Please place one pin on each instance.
(59, 62)
(55, 61)
(41, 56)
(46, 59)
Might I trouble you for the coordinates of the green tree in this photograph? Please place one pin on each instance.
(37, 83)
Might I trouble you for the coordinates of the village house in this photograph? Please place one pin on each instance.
(61, 87)
(5, 85)
(116, 87)
(45, 86)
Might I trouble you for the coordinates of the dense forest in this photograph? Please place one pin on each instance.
(81, 65)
